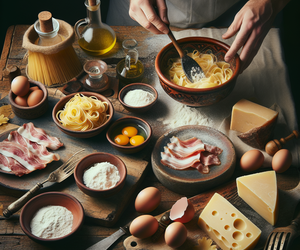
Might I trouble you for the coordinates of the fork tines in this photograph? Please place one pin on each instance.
(278, 241)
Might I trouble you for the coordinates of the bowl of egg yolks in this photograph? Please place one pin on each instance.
(129, 134)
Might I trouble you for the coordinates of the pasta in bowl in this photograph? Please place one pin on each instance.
(83, 114)
(220, 76)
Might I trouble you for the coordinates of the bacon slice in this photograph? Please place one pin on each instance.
(10, 164)
(38, 135)
(22, 154)
(43, 155)
(191, 153)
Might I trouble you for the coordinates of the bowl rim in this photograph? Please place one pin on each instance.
(40, 85)
(41, 196)
(68, 97)
(196, 90)
(122, 179)
(124, 119)
(137, 84)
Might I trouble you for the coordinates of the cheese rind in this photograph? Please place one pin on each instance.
(260, 192)
(247, 115)
(227, 226)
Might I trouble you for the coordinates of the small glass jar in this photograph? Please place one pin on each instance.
(130, 69)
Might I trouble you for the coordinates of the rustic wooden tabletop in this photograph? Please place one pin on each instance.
(11, 234)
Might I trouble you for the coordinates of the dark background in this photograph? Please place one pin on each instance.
(14, 12)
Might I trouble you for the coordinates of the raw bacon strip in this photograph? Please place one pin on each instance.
(192, 142)
(170, 160)
(10, 164)
(213, 149)
(203, 169)
(21, 154)
(38, 135)
(40, 151)
(209, 159)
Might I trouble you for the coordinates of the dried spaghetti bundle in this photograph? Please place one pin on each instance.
(52, 65)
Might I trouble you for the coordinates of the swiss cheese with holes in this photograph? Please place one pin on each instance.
(227, 226)
(260, 192)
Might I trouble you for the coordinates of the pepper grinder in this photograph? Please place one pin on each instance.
(273, 146)
(97, 80)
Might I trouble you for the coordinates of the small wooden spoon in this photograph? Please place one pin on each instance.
(191, 68)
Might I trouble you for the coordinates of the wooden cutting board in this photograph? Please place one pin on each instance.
(102, 211)
(287, 204)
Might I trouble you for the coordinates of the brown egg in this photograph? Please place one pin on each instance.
(182, 211)
(281, 161)
(20, 85)
(21, 100)
(33, 88)
(252, 160)
(143, 226)
(147, 200)
(175, 234)
(35, 97)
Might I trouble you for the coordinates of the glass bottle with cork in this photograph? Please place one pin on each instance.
(96, 38)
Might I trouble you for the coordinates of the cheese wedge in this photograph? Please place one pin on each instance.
(247, 115)
(227, 226)
(259, 191)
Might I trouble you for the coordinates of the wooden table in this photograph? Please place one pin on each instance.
(11, 235)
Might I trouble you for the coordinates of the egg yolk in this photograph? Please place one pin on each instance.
(137, 140)
(129, 131)
(121, 140)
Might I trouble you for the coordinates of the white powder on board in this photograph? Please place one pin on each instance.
(182, 115)
(138, 98)
(101, 176)
(52, 222)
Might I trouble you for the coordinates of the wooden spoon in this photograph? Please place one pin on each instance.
(191, 68)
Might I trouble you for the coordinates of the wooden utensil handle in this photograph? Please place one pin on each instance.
(15, 206)
(295, 134)
(176, 44)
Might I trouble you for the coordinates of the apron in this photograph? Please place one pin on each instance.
(181, 13)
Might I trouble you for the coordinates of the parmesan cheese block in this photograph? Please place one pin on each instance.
(227, 226)
(259, 191)
(247, 115)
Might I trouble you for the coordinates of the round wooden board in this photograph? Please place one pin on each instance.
(191, 181)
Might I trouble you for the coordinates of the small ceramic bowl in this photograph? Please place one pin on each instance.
(32, 112)
(51, 199)
(141, 125)
(134, 86)
(196, 97)
(82, 134)
(88, 161)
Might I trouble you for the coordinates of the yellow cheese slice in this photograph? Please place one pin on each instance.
(247, 115)
(227, 226)
(259, 191)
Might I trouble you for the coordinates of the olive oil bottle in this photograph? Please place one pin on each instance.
(96, 38)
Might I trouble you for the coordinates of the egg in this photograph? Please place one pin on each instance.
(129, 131)
(182, 211)
(137, 140)
(20, 85)
(147, 200)
(121, 140)
(252, 160)
(21, 100)
(281, 161)
(143, 226)
(33, 88)
(175, 234)
(35, 97)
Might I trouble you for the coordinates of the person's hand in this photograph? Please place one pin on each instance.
(252, 23)
(143, 11)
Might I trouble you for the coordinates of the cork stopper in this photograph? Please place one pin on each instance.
(45, 18)
(92, 2)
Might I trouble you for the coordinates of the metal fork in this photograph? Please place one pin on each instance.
(281, 238)
(58, 175)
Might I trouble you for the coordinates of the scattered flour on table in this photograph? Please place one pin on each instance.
(182, 115)
(52, 222)
(138, 98)
(101, 176)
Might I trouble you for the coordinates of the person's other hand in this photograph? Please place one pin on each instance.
(143, 11)
(251, 23)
